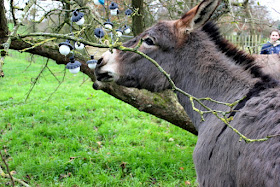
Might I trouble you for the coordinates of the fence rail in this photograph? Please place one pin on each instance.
(249, 43)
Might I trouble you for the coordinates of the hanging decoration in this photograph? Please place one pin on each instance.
(73, 65)
(114, 9)
(65, 48)
(108, 25)
(92, 62)
(99, 33)
(78, 17)
(79, 46)
(119, 32)
(127, 29)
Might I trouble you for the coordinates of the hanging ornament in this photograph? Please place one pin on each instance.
(65, 47)
(78, 17)
(108, 25)
(79, 46)
(73, 66)
(114, 8)
(99, 33)
(126, 29)
(99, 2)
(119, 32)
(92, 62)
(128, 12)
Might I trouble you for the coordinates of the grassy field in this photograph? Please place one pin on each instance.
(83, 137)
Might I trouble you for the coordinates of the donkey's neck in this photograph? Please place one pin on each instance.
(208, 72)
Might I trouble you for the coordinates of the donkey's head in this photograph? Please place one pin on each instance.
(162, 42)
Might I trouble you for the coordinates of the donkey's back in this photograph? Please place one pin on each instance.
(220, 157)
(203, 64)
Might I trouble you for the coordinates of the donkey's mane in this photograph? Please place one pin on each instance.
(242, 59)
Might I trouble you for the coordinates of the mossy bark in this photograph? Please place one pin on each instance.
(137, 19)
(163, 105)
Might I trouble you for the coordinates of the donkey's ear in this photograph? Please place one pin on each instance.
(198, 15)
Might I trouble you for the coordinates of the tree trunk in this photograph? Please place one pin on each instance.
(137, 19)
(3, 22)
(3, 34)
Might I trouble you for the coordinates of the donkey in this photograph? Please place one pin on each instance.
(203, 64)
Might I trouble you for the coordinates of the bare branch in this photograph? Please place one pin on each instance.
(7, 167)
(36, 80)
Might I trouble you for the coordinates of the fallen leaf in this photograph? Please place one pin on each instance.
(13, 172)
(187, 183)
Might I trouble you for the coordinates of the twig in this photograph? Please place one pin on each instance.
(84, 82)
(60, 82)
(61, 36)
(15, 179)
(36, 79)
(53, 74)
(118, 45)
(37, 44)
(7, 167)
(192, 98)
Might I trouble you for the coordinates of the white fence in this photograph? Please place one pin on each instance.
(251, 44)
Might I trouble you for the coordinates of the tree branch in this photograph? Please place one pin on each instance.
(164, 105)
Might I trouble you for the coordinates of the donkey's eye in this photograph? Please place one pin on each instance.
(149, 41)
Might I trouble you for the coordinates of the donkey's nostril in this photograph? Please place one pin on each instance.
(99, 61)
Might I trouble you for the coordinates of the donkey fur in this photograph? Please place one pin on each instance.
(205, 65)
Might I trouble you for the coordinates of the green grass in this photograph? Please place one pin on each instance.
(83, 137)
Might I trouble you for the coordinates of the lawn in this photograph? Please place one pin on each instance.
(77, 136)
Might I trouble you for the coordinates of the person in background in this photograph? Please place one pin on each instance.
(272, 46)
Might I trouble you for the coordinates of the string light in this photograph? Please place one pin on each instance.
(78, 18)
(114, 9)
(108, 25)
(92, 62)
(73, 65)
(65, 47)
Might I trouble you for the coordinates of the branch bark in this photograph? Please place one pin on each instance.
(3, 33)
(163, 105)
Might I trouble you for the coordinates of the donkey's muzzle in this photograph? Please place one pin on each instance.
(104, 77)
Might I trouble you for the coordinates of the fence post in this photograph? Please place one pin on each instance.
(253, 42)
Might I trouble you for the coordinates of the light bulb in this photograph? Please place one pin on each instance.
(114, 12)
(108, 26)
(64, 50)
(81, 21)
(92, 66)
(79, 46)
(75, 70)
(127, 30)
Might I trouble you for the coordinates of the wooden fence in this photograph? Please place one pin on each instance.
(251, 44)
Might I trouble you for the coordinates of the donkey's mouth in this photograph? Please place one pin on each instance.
(105, 77)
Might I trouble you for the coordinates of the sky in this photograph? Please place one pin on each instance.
(273, 7)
